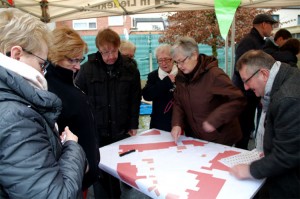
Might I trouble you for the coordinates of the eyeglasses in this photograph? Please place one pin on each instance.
(107, 53)
(245, 82)
(161, 61)
(42, 65)
(181, 62)
(74, 61)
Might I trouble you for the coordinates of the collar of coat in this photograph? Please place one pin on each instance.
(205, 63)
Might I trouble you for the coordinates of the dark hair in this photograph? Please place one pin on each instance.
(284, 33)
(292, 45)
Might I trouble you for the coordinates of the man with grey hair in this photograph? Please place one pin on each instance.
(279, 86)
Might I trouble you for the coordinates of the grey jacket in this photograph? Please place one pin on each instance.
(33, 163)
(281, 164)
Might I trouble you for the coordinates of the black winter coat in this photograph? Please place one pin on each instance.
(160, 92)
(252, 41)
(77, 114)
(115, 93)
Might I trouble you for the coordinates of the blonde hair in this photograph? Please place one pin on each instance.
(127, 45)
(20, 29)
(66, 43)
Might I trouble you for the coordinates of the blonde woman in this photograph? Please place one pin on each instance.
(65, 56)
(33, 161)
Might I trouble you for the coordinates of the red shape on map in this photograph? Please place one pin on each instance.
(152, 132)
(218, 165)
(172, 196)
(209, 186)
(127, 173)
(151, 188)
(156, 192)
(148, 160)
(193, 142)
(146, 147)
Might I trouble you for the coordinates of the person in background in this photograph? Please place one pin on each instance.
(262, 27)
(127, 48)
(160, 87)
(35, 161)
(288, 52)
(65, 54)
(273, 44)
(112, 83)
(279, 86)
(204, 97)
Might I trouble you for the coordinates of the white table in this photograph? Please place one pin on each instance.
(161, 169)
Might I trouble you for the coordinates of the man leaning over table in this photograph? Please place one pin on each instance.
(279, 86)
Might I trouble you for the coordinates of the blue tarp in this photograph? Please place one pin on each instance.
(145, 109)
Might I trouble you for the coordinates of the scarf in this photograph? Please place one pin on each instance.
(162, 74)
(265, 102)
(34, 77)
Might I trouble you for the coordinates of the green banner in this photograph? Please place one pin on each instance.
(225, 11)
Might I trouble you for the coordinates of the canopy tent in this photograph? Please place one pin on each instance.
(60, 10)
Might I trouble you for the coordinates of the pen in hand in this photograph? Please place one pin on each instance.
(127, 152)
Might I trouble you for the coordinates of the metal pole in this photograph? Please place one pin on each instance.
(232, 46)
(150, 54)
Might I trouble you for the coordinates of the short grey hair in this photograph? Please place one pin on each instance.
(254, 60)
(163, 48)
(21, 29)
(185, 45)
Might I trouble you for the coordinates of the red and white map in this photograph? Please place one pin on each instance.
(162, 169)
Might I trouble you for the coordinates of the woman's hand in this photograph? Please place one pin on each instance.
(176, 132)
(68, 135)
(207, 127)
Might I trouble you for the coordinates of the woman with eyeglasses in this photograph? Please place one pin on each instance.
(160, 87)
(65, 54)
(35, 161)
(207, 104)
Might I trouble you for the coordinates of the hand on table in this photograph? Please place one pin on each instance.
(132, 132)
(241, 171)
(176, 132)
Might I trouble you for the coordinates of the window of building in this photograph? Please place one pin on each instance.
(85, 24)
(276, 17)
(298, 22)
(115, 21)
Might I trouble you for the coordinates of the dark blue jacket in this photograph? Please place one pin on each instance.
(160, 92)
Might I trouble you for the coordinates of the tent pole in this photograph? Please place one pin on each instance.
(226, 55)
(232, 44)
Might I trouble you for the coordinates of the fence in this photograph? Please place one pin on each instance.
(145, 52)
